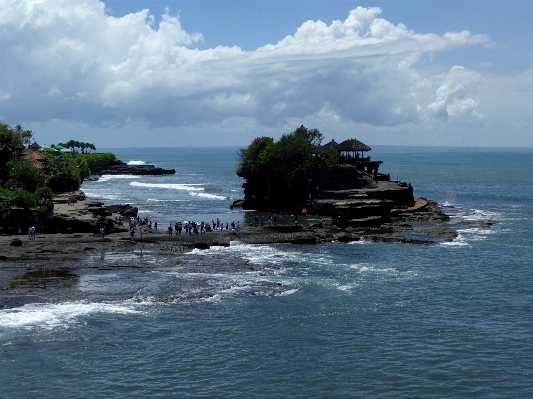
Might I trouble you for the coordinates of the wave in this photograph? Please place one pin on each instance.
(164, 200)
(210, 196)
(104, 178)
(136, 162)
(168, 186)
(51, 316)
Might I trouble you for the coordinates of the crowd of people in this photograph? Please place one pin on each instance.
(189, 227)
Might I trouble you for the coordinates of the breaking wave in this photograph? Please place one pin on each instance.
(168, 186)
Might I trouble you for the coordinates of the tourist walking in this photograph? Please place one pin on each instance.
(170, 229)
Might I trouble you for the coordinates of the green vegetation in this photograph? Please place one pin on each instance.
(24, 181)
(65, 172)
(74, 144)
(23, 174)
(99, 160)
(23, 199)
(44, 192)
(282, 173)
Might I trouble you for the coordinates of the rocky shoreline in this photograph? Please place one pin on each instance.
(423, 223)
(50, 260)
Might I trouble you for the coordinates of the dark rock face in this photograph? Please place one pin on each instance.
(124, 169)
(124, 210)
(16, 243)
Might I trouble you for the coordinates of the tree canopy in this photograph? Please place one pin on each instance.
(74, 144)
(280, 171)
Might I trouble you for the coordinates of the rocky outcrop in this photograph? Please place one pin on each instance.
(125, 169)
(369, 206)
(124, 210)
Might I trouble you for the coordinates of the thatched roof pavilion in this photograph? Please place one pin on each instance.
(324, 148)
(352, 145)
(37, 159)
(349, 147)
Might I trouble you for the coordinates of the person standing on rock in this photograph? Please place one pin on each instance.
(256, 220)
(170, 229)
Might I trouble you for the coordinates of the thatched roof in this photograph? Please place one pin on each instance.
(37, 159)
(35, 146)
(324, 148)
(352, 145)
(36, 155)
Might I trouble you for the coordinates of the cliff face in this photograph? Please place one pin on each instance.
(351, 199)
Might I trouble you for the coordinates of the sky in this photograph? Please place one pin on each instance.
(151, 73)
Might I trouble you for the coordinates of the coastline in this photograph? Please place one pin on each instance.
(42, 270)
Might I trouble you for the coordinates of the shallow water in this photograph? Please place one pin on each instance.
(335, 320)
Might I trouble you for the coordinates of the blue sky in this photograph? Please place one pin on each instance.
(219, 73)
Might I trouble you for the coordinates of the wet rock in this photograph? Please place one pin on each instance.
(123, 209)
(16, 243)
(346, 237)
(124, 169)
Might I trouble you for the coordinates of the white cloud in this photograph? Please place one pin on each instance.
(69, 60)
(452, 102)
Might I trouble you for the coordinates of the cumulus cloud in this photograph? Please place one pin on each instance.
(70, 60)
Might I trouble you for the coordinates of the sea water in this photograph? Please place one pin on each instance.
(333, 320)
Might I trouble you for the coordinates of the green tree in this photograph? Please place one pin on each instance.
(23, 198)
(63, 173)
(26, 135)
(23, 174)
(278, 172)
(6, 197)
(9, 138)
(44, 192)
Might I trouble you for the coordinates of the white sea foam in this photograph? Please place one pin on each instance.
(105, 178)
(288, 292)
(459, 241)
(169, 186)
(360, 242)
(210, 196)
(139, 162)
(51, 316)
(165, 200)
(258, 254)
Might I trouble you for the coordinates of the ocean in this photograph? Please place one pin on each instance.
(364, 319)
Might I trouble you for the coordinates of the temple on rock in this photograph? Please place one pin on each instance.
(352, 190)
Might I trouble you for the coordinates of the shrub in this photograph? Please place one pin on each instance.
(25, 175)
(99, 160)
(23, 198)
(44, 192)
